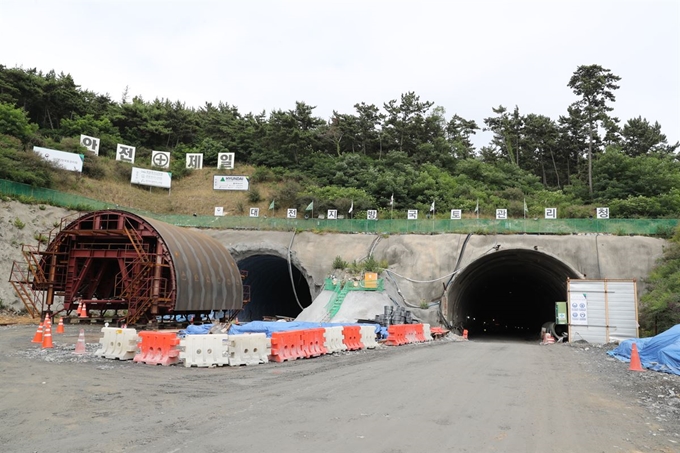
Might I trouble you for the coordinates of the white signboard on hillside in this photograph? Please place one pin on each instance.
(230, 183)
(160, 159)
(153, 178)
(125, 153)
(67, 161)
(225, 161)
(91, 143)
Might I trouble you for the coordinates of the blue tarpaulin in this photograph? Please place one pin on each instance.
(659, 353)
(268, 327)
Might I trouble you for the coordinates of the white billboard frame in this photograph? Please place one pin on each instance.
(231, 182)
(62, 159)
(153, 178)
(612, 310)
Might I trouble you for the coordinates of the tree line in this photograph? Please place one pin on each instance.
(407, 147)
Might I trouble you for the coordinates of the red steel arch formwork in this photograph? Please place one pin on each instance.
(117, 260)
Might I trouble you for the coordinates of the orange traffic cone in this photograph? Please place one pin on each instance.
(465, 334)
(635, 364)
(47, 338)
(60, 326)
(83, 311)
(80, 345)
(37, 338)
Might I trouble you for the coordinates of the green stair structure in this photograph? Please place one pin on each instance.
(340, 291)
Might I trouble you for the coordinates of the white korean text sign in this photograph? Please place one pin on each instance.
(225, 161)
(125, 153)
(91, 143)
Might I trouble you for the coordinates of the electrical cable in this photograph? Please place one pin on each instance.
(290, 271)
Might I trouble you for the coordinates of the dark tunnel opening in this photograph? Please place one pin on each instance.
(271, 290)
(510, 293)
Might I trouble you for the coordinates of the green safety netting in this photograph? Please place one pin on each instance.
(649, 227)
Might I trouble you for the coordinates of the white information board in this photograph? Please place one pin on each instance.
(551, 213)
(291, 213)
(456, 214)
(230, 183)
(602, 311)
(153, 178)
(501, 214)
(67, 161)
(412, 214)
(254, 212)
(332, 214)
(219, 211)
(372, 214)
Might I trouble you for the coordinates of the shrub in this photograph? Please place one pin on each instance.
(254, 196)
(339, 263)
(19, 224)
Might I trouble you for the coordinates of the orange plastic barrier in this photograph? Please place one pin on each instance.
(287, 346)
(396, 335)
(158, 348)
(352, 338)
(313, 342)
(438, 332)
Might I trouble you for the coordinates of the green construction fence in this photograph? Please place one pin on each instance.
(645, 227)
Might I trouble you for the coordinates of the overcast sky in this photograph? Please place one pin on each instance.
(465, 56)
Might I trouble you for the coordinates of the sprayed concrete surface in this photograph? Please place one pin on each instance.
(443, 396)
(419, 264)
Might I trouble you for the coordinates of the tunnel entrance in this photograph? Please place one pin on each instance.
(509, 293)
(271, 291)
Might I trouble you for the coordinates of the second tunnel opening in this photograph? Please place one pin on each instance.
(509, 293)
(272, 293)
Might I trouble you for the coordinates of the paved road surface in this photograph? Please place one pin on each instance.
(440, 397)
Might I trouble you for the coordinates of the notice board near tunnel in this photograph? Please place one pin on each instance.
(601, 311)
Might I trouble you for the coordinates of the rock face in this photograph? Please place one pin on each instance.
(22, 224)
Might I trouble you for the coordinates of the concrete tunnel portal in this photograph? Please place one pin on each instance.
(508, 293)
(272, 293)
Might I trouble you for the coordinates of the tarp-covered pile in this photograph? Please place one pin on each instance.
(659, 353)
(268, 327)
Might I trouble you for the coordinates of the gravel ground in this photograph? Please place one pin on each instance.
(658, 393)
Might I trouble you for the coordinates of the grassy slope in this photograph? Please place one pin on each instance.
(191, 194)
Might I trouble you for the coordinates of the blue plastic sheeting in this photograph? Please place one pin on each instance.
(191, 329)
(659, 353)
(268, 327)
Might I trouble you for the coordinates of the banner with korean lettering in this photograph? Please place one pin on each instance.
(153, 178)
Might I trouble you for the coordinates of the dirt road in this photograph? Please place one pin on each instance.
(444, 396)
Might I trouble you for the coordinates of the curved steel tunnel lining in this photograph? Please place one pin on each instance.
(271, 293)
(207, 277)
(514, 288)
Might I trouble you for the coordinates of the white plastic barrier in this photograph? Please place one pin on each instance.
(427, 333)
(248, 349)
(334, 339)
(204, 350)
(411, 336)
(118, 343)
(368, 337)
